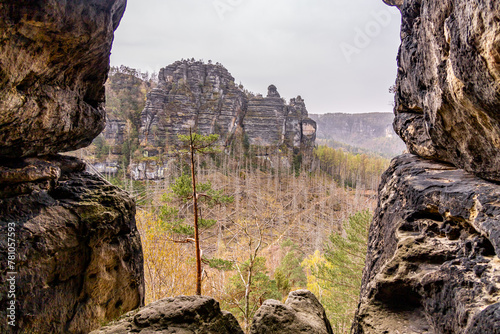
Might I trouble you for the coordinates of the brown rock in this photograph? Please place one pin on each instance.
(78, 255)
(433, 254)
(301, 313)
(54, 60)
(179, 315)
(448, 86)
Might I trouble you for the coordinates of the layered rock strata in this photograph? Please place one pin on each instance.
(204, 97)
(433, 261)
(70, 248)
(301, 313)
(182, 314)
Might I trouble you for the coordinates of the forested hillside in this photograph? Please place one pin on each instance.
(268, 223)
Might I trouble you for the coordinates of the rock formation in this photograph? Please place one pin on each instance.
(75, 257)
(301, 313)
(432, 264)
(183, 314)
(191, 94)
(54, 62)
(448, 86)
(433, 255)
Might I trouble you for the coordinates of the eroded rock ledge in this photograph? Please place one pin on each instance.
(433, 257)
(54, 60)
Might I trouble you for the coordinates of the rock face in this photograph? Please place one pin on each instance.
(432, 263)
(183, 314)
(191, 94)
(54, 60)
(78, 254)
(301, 313)
(73, 249)
(448, 86)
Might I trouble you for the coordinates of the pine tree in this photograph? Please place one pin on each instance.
(339, 271)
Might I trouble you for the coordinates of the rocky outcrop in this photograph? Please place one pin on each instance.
(369, 131)
(71, 254)
(192, 94)
(433, 261)
(301, 313)
(433, 254)
(183, 314)
(78, 256)
(448, 86)
(54, 60)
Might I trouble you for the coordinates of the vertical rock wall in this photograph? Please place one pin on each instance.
(71, 255)
(433, 261)
(192, 94)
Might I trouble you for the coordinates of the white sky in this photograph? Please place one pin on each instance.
(339, 55)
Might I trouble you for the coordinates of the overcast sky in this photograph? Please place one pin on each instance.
(339, 55)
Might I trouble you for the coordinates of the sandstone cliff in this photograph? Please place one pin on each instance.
(73, 250)
(192, 94)
(433, 256)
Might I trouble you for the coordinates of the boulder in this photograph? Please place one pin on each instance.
(433, 253)
(179, 315)
(77, 255)
(54, 60)
(301, 313)
(448, 85)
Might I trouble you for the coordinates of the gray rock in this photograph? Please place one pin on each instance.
(54, 60)
(433, 254)
(192, 94)
(180, 315)
(74, 249)
(78, 252)
(448, 85)
(301, 313)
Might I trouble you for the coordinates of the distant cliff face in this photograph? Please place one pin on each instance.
(204, 97)
(371, 131)
(433, 260)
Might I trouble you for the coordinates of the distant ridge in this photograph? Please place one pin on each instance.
(371, 131)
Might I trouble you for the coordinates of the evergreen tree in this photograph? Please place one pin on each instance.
(339, 271)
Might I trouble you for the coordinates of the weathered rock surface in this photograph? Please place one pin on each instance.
(54, 60)
(78, 252)
(75, 257)
(448, 86)
(191, 94)
(433, 261)
(180, 315)
(301, 313)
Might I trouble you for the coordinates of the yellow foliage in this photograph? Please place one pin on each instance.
(169, 268)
